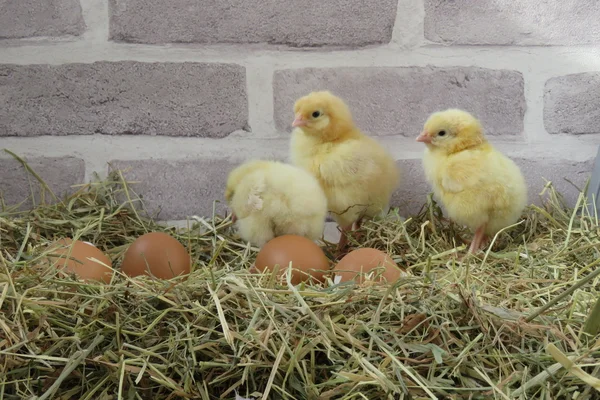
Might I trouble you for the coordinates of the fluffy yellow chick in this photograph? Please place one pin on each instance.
(479, 187)
(357, 174)
(270, 199)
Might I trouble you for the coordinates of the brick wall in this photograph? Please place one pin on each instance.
(179, 91)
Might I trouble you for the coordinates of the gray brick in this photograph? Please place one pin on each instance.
(175, 99)
(413, 190)
(559, 172)
(178, 189)
(397, 101)
(513, 22)
(17, 185)
(34, 18)
(310, 23)
(572, 104)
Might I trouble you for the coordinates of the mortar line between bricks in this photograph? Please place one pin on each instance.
(95, 15)
(547, 61)
(259, 88)
(408, 30)
(534, 129)
(97, 150)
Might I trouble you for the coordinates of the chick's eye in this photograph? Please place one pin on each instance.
(316, 114)
(441, 133)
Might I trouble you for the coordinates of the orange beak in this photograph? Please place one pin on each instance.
(424, 137)
(299, 121)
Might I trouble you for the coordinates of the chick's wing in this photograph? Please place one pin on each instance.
(465, 171)
(349, 164)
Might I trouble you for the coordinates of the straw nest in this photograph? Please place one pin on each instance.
(513, 322)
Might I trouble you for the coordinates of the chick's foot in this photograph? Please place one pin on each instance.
(478, 239)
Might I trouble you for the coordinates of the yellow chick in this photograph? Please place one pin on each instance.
(270, 199)
(357, 174)
(479, 187)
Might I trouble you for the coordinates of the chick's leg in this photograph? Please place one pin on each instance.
(356, 234)
(343, 243)
(351, 229)
(485, 241)
(358, 223)
(477, 239)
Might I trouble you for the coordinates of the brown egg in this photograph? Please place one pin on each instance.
(362, 261)
(157, 253)
(79, 258)
(307, 258)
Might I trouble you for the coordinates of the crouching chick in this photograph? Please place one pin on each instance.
(479, 186)
(271, 198)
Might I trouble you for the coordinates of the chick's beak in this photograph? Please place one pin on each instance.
(233, 217)
(299, 121)
(424, 137)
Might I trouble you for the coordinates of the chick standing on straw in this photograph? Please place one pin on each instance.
(479, 186)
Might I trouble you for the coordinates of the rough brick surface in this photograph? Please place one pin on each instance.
(413, 190)
(33, 18)
(397, 101)
(175, 99)
(510, 22)
(558, 171)
(308, 23)
(17, 185)
(178, 189)
(572, 104)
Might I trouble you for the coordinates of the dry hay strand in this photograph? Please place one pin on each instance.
(506, 323)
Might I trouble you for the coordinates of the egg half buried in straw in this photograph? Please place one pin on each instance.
(157, 254)
(362, 262)
(83, 259)
(307, 258)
